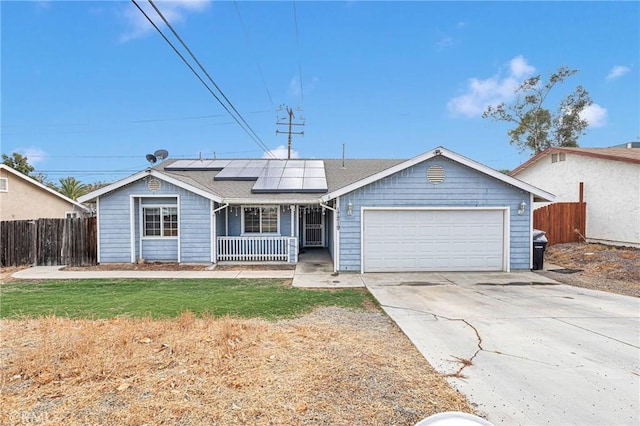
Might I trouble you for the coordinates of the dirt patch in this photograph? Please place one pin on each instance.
(331, 367)
(144, 266)
(173, 266)
(601, 267)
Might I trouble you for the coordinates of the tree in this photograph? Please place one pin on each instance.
(18, 162)
(71, 187)
(536, 127)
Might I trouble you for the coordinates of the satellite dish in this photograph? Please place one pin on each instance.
(151, 158)
(161, 154)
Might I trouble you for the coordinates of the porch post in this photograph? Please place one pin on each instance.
(132, 230)
(214, 243)
(336, 237)
(293, 219)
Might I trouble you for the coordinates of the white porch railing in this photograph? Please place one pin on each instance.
(257, 249)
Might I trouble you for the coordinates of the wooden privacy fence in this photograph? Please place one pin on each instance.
(47, 242)
(563, 222)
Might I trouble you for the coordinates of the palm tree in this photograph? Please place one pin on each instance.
(71, 187)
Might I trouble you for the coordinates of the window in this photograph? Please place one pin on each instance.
(4, 185)
(71, 215)
(160, 221)
(558, 157)
(260, 220)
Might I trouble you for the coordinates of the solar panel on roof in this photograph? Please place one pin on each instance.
(271, 176)
(293, 172)
(313, 173)
(198, 165)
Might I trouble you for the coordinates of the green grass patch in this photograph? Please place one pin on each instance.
(265, 298)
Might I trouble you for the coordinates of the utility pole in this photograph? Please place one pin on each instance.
(290, 123)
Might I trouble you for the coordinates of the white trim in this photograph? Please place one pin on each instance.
(253, 234)
(5, 187)
(149, 172)
(336, 233)
(159, 206)
(506, 246)
(272, 201)
(178, 212)
(336, 237)
(531, 232)
(98, 230)
(132, 230)
(214, 229)
(177, 206)
(213, 249)
(440, 151)
(292, 209)
(506, 216)
(71, 214)
(43, 187)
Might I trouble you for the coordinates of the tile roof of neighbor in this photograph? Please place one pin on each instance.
(627, 155)
(337, 176)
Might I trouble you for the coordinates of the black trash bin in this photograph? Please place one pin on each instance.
(539, 246)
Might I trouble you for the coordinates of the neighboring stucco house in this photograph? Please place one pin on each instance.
(438, 211)
(24, 198)
(611, 179)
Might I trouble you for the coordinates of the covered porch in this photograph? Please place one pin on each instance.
(271, 232)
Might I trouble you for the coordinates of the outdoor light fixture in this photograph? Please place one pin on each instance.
(349, 209)
(522, 208)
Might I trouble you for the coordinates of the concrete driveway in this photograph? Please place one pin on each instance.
(524, 348)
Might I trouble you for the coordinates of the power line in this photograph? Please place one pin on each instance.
(257, 138)
(254, 137)
(246, 33)
(139, 121)
(295, 18)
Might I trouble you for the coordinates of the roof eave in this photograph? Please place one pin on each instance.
(440, 151)
(149, 172)
(43, 187)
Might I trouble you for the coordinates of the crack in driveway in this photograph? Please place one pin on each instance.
(464, 361)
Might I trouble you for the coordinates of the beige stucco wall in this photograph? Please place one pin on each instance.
(611, 191)
(26, 201)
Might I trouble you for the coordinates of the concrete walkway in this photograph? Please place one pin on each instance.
(56, 273)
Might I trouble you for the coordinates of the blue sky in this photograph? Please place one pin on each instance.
(89, 88)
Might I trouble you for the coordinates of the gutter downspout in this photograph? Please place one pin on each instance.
(214, 236)
(336, 233)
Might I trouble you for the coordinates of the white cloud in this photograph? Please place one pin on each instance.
(34, 155)
(308, 86)
(281, 153)
(617, 72)
(595, 115)
(491, 91)
(444, 42)
(174, 11)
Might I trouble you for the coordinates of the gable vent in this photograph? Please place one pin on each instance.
(435, 174)
(153, 184)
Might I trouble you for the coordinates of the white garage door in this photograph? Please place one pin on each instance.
(433, 240)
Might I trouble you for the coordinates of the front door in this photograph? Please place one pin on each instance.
(313, 224)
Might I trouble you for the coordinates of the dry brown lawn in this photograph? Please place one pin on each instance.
(331, 367)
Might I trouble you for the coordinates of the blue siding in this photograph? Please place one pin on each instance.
(160, 249)
(195, 228)
(462, 187)
(194, 231)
